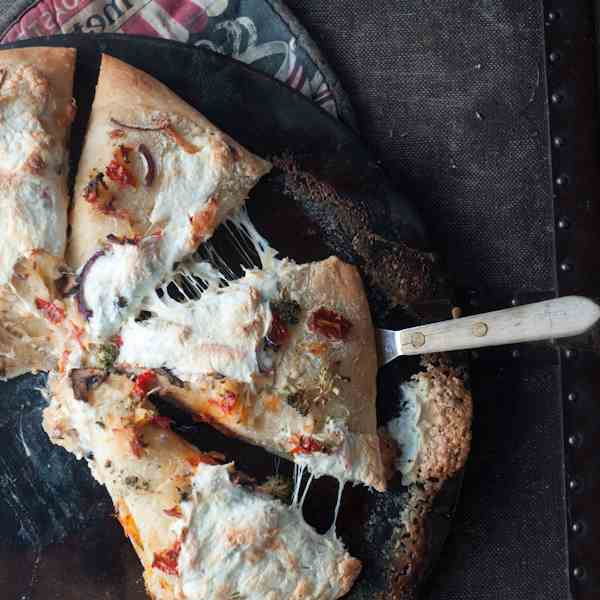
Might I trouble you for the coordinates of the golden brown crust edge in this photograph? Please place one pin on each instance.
(120, 83)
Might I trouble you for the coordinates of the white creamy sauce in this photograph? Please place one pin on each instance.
(221, 332)
(116, 284)
(407, 430)
(33, 208)
(241, 542)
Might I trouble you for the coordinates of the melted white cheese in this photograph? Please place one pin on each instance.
(34, 217)
(236, 541)
(222, 331)
(407, 429)
(33, 208)
(184, 186)
(116, 284)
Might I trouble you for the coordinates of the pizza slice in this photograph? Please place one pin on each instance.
(201, 530)
(154, 181)
(36, 110)
(283, 357)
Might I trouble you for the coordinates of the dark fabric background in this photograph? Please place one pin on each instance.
(451, 96)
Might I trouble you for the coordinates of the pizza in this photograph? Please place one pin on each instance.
(283, 357)
(154, 180)
(36, 110)
(201, 529)
(121, 313)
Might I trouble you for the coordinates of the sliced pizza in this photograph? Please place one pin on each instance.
(201, 530)
(36, 110)
(154, 181)
(283, 358)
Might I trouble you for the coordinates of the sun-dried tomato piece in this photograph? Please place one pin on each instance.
(54, 314)
(226, 402)
(161, 421)
(136, 443)
(174, 512)
(329, 323)
(117, 168)
(167, 560)
(304, 444)
(145, 382)
(278, 332)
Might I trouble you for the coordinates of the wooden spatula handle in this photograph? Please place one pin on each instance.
(560, 317)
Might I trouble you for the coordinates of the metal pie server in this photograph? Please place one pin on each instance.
(551, 319)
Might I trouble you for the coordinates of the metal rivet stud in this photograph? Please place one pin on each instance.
(558, 141)
(514, 302)
(556, 98)
(576, 527)
(579, 572)
(561, 180)
(515, 353)
(571, 396)
(564, 223)
(553, 56)
(566, 266)
(573, 485)
(417, 339)
(552, 16)
(574, 440)
(570, 353)
(479, 329)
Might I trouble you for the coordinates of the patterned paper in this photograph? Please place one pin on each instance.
(249, 30)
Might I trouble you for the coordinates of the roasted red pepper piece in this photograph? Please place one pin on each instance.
(305, 444)
(53, 313)
(278, 333)
(160, 421)
(174, 512)
(144, 383)
(329, 323)
(227, 402)
(117, 169)
(167, 560)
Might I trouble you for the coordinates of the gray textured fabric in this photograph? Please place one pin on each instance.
(451, 97)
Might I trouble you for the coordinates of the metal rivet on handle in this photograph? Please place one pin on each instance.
(564, 223)
(556, 98)
(572, 396)
(515, 353)
(479, 329)
(558, 141)
(570, 353)
(417, 339)
(579, 572)
(574, 484)
(552, 16)
(574, 440)
(577, 527)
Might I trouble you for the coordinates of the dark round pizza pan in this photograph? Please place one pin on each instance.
(58, 537)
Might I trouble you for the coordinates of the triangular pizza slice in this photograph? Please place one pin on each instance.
(155, 179)
(36, 110)
(283, 357)
(201, 530)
